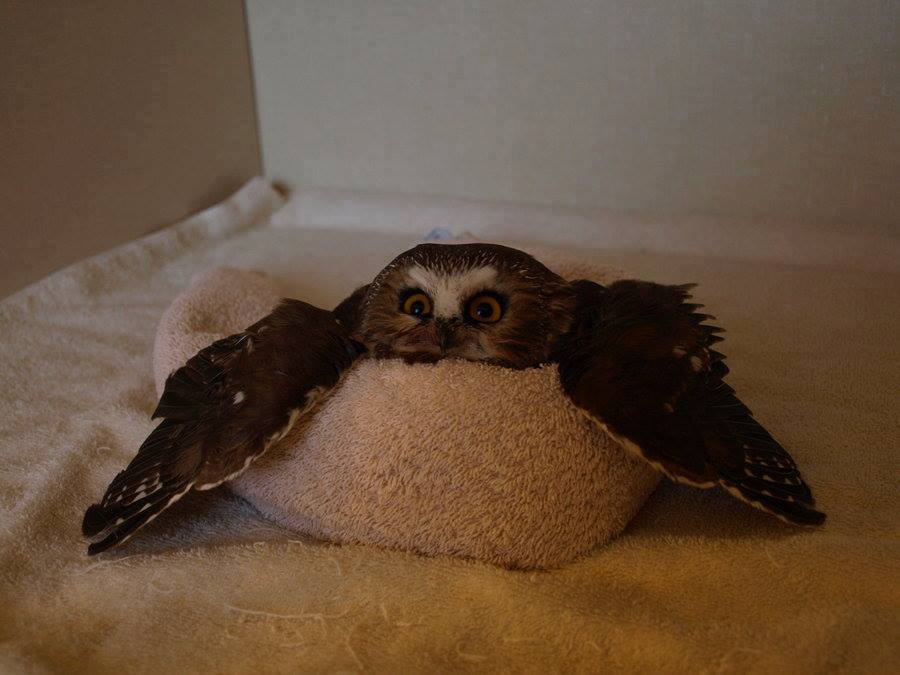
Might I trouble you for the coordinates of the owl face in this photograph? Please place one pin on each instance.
(479, 302)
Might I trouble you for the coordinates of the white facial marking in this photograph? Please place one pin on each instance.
(238, 397)
(449, 290)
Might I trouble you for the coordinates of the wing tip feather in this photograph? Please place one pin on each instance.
(94, 521)
(99, 522)
(788, 511)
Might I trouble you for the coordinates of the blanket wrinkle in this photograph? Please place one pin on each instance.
(695, 583)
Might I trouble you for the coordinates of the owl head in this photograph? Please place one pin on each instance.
(479, 302)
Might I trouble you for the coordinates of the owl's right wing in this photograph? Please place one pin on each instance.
(222, 410)
(639, 360)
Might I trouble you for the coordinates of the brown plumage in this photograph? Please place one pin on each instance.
(636, 357)
(222, 410)
(639, 361)
(536, 305)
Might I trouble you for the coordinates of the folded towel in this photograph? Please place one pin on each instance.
(698, 582)
(454, 458)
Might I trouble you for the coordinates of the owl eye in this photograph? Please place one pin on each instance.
(417, 304)
(485, 309)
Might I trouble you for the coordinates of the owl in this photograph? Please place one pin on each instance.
(635, 357)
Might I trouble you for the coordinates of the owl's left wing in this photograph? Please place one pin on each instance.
(638, 360)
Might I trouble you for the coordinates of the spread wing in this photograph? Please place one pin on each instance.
(222, 410)
(639, 360)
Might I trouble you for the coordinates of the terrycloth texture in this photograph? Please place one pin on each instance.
(696, 583)
(455, 458)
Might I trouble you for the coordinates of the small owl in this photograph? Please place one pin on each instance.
(635, 357)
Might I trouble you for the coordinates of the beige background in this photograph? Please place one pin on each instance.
(115, 119)
(782, 110)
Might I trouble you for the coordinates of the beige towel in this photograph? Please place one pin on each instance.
(453, 458)
(698, 582)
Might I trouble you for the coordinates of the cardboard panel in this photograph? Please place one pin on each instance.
(768, 109)
(115, 119)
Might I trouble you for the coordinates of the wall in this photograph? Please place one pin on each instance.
(115, 119)
(761, 108)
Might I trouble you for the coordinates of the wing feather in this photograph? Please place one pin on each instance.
(639, 360)
(222, 410)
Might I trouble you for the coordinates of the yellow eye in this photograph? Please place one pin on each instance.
(417, 304)
(485, 309)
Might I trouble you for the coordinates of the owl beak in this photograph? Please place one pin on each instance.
(446, 332)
